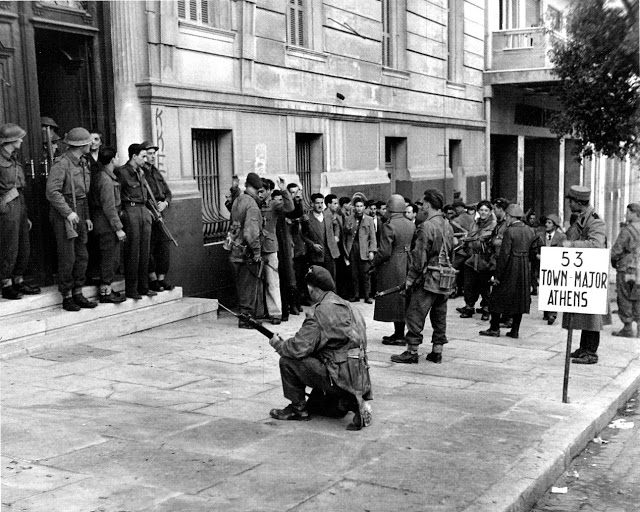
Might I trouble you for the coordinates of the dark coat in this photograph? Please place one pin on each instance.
(391, 263)
(512, 294)
(587, 231)
(314, 232)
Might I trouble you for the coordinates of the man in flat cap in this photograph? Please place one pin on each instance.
(14, 223)
(67, 191)
(553, 236)
(434, 243)
(587, 231)
(625, 258)
(328, 354)
(244, 244)
(160, 195)
(512, 277)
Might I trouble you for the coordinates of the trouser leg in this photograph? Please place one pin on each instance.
(297, 374)
(365, 277)
(9, 239)
(160, 251)
(355, 275)
(517, 319)
(144, 249)
(470, 287)
(398, 329)
(273, 300)
(246, 279)
(24, 245)
(419, 307)
(625, 305)
(494, 325)
(438, 317)
(590, 341)
(65, 249)
(81, 254)
(109, 256)
(484, 288)
(132, 228)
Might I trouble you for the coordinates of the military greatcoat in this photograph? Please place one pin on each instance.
(391, 262)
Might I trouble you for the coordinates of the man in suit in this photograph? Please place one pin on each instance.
(319, 233)
(360, 245)
(553, 236)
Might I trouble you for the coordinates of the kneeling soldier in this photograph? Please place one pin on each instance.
(328, 354)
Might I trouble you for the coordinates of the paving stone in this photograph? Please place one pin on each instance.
(258, 374)
(72, 383)
(157, 377)
(244, 409)
(153, 465)
(225, 388)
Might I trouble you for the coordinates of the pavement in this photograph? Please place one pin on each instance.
(176, 419)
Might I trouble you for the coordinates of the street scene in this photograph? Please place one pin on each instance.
(278, 255)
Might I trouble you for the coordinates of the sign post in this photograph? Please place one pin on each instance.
(573, 280)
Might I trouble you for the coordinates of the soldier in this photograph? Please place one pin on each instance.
(14, 223)
(625, 259)
(587, 231)
(107, 226)
(500, 206)
(391, 262)
(67, 190)
(328, 354)
(435, 239)
(137, 220)
(160, 250)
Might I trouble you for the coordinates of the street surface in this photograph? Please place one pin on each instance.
(605, 477)
(176, 419)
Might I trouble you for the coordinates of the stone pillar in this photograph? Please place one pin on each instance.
(561, 169)
(130, 66)
(520, 171)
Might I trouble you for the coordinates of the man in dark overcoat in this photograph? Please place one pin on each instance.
(433, 244)
(512, 278)
(587, 231)
(390, 263)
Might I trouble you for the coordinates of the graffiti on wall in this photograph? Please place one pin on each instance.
(260, 160)
(159, 139)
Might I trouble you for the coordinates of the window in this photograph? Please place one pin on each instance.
(394, 33)
(555, 19)
(455, 41)
(296, 23)
(216, 13)
(212, 171)
(387, 40)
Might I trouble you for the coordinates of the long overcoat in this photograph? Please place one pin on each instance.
(391, 263)
(513, 293)
(587, 231)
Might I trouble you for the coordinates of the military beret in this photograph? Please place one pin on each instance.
(253, 180)
(320, 278)
(634, 207)
(150, 145)
(435, 198)
(77, 137)
(10, 133)
(515, 211)
(579, 193)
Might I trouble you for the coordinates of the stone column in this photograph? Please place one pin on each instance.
(561, 169)
(130, 66)
(520, 171)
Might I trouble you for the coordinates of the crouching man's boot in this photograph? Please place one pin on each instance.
(292, 411)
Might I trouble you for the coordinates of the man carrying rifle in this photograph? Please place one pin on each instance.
(433, 244)
(160, 198)
(327, 354)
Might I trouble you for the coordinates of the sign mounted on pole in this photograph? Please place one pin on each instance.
(574, 280)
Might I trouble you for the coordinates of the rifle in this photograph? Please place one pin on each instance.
(390, 291)
(251, 321)
(157, 217)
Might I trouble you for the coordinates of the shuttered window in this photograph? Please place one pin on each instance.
(387, 41)
(207, 171)
(297, 25)
(194, 10)
(303, 167)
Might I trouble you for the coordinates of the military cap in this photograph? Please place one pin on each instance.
(515, 211)
(10, 132)
(47, 121)
(501, 203)
(77, 137)
(458, 202)
(320, 278)
(554, 218)
(434, 197)
(579, 193)
(150, 145)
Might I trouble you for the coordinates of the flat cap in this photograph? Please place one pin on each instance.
(320, 278)
(77, 137)
(253, 180)
(10, 133)
(579, 193)
(150, 145)
(515, 211)
(459, 202)
(554, 218)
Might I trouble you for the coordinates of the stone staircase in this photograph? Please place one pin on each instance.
(38, 322)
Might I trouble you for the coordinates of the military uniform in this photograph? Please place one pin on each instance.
(14, 227)
(137, 220)
(628, 291)
(160, 250)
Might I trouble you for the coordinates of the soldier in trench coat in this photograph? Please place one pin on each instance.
(390, 263)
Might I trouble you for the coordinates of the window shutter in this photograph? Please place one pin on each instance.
(300, 24)
(193, 10)
(182, 9)
(204, 9)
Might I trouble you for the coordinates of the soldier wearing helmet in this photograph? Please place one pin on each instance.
(14, 224)
(67, 191)
(390, 263)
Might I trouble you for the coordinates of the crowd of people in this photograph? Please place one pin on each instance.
(97, 210)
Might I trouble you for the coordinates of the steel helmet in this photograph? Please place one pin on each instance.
(396, 204)
(77, 137)
(10, 132)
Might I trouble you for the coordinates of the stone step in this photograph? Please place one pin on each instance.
(43, 321)
(47, 298)
(142, 315)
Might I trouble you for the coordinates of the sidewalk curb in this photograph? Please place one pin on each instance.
(526, 481)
